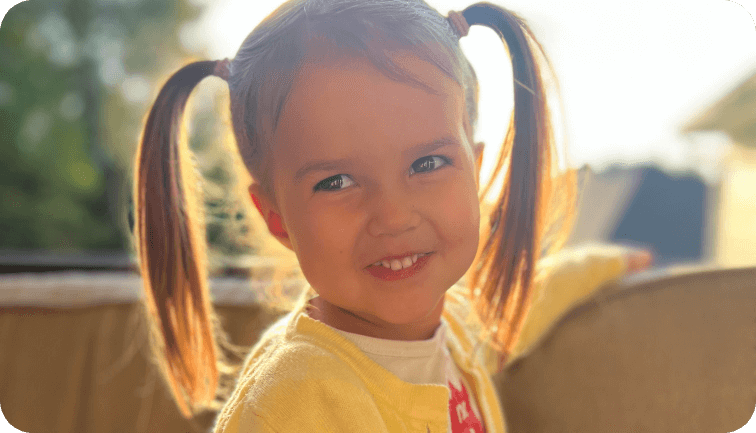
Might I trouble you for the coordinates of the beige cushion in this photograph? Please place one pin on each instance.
(662, 353)
(74, 355)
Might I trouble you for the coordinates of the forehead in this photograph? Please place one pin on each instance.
(341, 110)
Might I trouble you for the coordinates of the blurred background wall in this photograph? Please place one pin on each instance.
(733, 219)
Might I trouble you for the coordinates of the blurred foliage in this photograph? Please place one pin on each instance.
(77, 78)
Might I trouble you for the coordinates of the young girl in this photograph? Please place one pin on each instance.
(355, 121)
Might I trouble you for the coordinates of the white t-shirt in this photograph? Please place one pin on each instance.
(426, 361)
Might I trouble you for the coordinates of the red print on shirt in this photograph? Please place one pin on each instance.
(463, 418)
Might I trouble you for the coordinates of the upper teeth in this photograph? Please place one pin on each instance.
(396, 264)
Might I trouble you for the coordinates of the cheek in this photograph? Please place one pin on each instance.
(324, 230)
(458, 210)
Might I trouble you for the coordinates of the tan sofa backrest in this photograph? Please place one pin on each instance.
(661, 353)
(74, 355)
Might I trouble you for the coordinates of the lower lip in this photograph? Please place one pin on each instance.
(387, 274)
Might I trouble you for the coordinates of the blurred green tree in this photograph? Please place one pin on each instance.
(77, 78)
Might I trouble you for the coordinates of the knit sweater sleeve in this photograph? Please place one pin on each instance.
(564, 280)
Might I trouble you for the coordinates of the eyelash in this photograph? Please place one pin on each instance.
(328, 181)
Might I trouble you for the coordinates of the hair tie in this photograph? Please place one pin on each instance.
(222, 68)
(459, 23)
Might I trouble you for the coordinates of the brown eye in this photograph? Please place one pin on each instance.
(333, 183)
(429, 163)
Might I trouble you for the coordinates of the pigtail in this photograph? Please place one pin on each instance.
(171, 246)
(504, 269)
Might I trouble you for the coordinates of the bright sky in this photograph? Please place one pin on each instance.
(631, 72)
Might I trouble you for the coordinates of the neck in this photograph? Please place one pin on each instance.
(348, 321)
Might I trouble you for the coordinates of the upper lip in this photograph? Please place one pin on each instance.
(399, 256)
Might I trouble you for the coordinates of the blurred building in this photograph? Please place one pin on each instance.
(679, 216)
(734, 236)
(646, 207)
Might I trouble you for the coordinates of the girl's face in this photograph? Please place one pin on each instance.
(365, 168)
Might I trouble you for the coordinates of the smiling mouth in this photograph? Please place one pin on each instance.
(397, 264)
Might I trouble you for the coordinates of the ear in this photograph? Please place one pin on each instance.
(270, 213)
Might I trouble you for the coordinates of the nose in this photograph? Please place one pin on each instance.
(393, 211)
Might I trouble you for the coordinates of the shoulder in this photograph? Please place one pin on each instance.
(458, 312)
(293, 361)
(466, 327)
(289, 383)
(457, 303)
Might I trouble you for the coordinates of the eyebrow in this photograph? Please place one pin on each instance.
(332, 164)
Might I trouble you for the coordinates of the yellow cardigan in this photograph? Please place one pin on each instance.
(302, 376)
